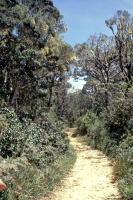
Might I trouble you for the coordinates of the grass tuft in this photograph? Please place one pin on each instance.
(27, 182)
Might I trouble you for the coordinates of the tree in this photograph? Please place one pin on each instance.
(33, 56)
(121, 26)
(58, 59)
(96, 58)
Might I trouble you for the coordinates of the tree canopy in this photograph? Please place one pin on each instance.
(33, 56)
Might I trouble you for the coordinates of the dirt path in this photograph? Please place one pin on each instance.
(90, 179)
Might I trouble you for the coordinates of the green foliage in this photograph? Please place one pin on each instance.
(111, 132)
(82, 125)
(108, 70)
(44, 143)
(33, 57)
(36, 156)
(27, 182)
(91, 126)
(84, 122)
(12, 137)
(2, 122)
(33, 62)
(38, 142)
(123, 163)
(126, 187)
(116, 119)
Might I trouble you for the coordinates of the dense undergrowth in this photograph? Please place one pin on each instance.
(113, 135)
(35, 65)
(33, 156)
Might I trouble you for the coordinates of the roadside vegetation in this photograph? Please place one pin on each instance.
(34, 158)
(34, 62)
(119, 147)
(36, 103)
(107, 123)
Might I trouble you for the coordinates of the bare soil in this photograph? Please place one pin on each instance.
(90, 179)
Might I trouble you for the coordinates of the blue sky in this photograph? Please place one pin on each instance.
(87, 17)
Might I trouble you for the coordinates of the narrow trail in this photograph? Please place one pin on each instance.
(90, 179)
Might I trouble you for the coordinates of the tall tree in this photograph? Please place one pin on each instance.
(121, 26)
(33, 56)
(96, 58)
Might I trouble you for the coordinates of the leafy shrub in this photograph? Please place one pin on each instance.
(12, 136)
(117, 118)
(29, 152)
(82, 125)
(95, 131)
(91, 126)
(26, 182)
(40, 142)
(44, 142)
(126, 187)
(122, 165)
(127, 142)
(2, 122)
(124, 158)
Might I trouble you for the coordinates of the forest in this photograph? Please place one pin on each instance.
(36, 103)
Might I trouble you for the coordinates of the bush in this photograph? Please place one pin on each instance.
(122, 164)
(29, 153)
(12, 138)
(44, 146)
(39, 142)
(126, 187)
(95, 131)
(26, 182)
(124, 158)
(82, 125)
